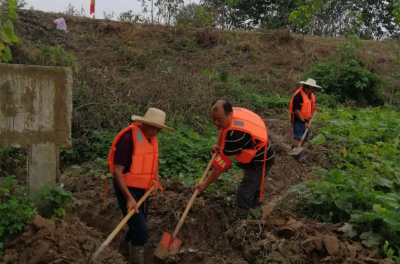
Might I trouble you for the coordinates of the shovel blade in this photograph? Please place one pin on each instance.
(163, 251)
(296, 151)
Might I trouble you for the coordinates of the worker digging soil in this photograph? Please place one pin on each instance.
(242, 134)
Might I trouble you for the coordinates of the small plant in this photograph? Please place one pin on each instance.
(16, 209)
(52, 56)
(389, 252)
(7, 36)
(57, 199)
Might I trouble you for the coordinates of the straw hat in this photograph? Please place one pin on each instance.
(153, 117)
(312, 83)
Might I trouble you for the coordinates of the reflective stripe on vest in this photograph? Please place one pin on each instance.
(144, 159)
(307, 107)
(246, 121)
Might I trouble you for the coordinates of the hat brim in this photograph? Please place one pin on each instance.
(312, 85)
(144, 121)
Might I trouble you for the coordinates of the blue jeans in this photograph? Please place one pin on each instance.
(299, 129)
(138, 229)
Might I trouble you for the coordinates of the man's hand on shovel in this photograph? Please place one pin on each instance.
(215, 149)
(131, 204)
(200, 187)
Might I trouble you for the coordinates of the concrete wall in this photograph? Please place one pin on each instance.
(35, 105)
(35, 113)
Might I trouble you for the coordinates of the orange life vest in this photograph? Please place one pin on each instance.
(307, 107)
(144, 159)
(249, 122)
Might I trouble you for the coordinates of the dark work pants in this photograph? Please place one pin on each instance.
(138, 228)
(248, 193)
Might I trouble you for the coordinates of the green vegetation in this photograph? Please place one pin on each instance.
(52, 56)
(7, 36)
(16, 209)
(348, 78)
(363, 191)
(57, 200)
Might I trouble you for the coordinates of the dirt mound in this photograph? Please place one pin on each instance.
(210, 216)
(280, 239)
(67, 241)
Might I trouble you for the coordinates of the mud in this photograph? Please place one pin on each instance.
(210, 233)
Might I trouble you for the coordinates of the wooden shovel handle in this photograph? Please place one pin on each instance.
(123, 222)
(305, 132)
(180, 223)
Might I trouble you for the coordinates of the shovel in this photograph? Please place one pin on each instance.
(170, 244)
(119, 227)
(299, 149)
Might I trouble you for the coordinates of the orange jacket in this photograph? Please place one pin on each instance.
(307, 107)
(144, 159)
(248, 122)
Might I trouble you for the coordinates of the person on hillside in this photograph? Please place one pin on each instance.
(242, 134)
(302, 107)
(133, 160)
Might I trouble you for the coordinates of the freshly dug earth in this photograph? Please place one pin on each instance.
(210, 233)
(67, 241)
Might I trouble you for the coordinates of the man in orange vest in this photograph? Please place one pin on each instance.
(133, 160)
(242, 134)
(302, 107)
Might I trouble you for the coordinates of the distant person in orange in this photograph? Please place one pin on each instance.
(242, 134)
(302, 107)
(133, 160)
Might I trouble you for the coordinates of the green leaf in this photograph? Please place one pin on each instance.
(396, 162)
(348, 230)
(318, 140)
(300, 189)
(383, 182)
(344, 206)
(11, 13)
(6, 56)
(371, 239)
(12, 4)
(4, 37)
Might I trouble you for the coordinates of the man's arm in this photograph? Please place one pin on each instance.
(217, 145)
(299, 116)
(119, 177)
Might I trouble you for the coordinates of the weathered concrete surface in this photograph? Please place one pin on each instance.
(43, 166)
(35, 113)
(35, 105)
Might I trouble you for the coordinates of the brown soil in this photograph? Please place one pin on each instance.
(210, 234)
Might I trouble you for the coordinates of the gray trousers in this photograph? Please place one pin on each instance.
(248, 193)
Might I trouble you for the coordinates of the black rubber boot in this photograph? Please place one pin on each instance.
(136, 254)
(241, 214)
(124, 249)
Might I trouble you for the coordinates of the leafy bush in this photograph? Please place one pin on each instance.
(7, 36)
(52, 56)
(184, 154)
(93, 146)
(16, 208)
(56, 200)
(363, 190)
(347, 77)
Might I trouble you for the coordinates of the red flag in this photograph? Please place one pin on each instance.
(92, 6)
(221, 162)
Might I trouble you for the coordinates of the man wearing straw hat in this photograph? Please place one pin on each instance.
(133, 160)
(302, 107)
